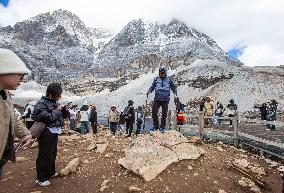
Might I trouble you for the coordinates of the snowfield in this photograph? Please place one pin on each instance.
(247, 87)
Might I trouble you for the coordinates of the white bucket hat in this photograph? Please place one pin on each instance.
(10, 63)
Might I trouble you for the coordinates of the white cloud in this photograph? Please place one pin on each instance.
(231, 23)
(261, 55)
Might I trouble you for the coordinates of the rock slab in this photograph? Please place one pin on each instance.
(149, 155)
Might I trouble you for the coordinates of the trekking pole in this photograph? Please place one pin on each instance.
(144, 124)
(282, 178)
(18, 146)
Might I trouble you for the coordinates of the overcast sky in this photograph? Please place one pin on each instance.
(252, 29)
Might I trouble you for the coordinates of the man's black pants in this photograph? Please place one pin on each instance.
(129, 127)
(155, 110)
(47, 150)
(94, 127)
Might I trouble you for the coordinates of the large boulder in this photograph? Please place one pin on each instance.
(149, 155)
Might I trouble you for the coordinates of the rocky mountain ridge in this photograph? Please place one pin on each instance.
(58, 46)
(55, 46)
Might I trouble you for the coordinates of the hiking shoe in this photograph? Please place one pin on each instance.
(44, 183)
(55, 175)
(162, 130)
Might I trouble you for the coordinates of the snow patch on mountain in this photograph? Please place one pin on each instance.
(242, 84)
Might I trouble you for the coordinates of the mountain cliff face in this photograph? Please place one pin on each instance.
(59, 47)
(54, 45)
(141, 45)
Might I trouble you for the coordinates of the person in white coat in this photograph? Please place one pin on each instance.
(28, 113)
(84, 118)
(73, 115)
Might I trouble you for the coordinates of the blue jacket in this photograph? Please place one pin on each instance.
(162, 87)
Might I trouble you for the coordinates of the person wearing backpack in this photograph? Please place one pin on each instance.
(162, 86)
(129, 116)
(139, 119)
(28, 113)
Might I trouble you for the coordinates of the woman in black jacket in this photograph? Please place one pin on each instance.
(48, 111)
(129, 116)
(93, 119)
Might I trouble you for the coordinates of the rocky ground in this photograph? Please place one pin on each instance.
(222, 168)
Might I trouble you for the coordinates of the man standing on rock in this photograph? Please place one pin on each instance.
(12, 72)
(162, 86)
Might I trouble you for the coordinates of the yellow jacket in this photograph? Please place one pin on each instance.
(208, 108)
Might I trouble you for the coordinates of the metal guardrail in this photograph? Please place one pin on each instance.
(237, 135)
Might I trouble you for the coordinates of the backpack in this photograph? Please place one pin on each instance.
(78, 116)
(30, 113)
(126, 113)
(139, 117)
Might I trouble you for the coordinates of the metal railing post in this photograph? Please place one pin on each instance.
(201, 124)
(236, 129)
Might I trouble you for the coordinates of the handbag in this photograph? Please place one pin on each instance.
(37, 128)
